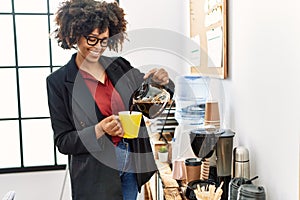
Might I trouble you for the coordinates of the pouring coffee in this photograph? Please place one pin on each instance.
(151, 98)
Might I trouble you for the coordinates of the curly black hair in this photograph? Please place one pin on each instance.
(76, 18)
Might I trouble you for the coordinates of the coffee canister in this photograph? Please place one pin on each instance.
(251, 191)
(193, 169)
(234, 185)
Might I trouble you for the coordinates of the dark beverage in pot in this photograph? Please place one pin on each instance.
(150, 99)
(149, 109)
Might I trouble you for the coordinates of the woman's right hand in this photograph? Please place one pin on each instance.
(110, 125)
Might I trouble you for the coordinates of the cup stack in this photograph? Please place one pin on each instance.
(212, 115)
(205, 169)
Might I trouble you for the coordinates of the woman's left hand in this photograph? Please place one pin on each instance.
(159, 76)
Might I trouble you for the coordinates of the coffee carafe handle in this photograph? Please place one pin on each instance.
(143, 89)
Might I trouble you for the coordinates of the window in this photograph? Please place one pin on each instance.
(27, 57)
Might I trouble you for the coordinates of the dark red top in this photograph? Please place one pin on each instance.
(107, 98)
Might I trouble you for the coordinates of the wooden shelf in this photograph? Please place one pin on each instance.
(163, 179)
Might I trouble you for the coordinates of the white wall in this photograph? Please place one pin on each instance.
(262, 97)
(170, 17)
(262, 88)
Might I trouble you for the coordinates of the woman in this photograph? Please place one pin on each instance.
(84, 97)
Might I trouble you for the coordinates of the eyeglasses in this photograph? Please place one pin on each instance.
(93, 41)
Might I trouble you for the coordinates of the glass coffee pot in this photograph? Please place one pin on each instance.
(151, 98)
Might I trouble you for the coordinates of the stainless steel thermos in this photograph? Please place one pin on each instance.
(241, 165)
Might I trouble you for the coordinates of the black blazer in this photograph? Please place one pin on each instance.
(74, 113)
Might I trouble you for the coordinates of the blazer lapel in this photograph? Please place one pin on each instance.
(82, 99)
(121, 80)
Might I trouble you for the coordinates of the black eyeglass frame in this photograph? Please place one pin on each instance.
(103, 42)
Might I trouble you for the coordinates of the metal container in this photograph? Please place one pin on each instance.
(224, 153)
(241, 166)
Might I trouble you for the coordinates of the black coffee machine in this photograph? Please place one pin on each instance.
(215, 145)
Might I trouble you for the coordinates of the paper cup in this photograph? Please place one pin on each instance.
(212, 111)
(193, 169)
(179, 170)
(130, 123)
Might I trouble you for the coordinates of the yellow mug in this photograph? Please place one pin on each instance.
(130, 123)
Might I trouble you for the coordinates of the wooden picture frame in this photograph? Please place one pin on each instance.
(208, 23)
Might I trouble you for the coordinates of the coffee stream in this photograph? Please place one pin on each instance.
(131, 108)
